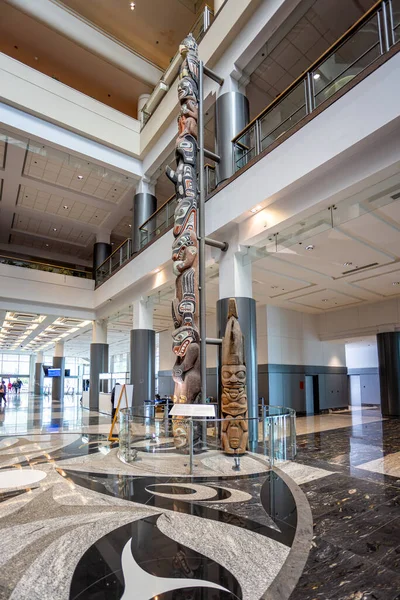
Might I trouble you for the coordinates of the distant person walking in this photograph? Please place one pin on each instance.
(3, 391)
(19, 385)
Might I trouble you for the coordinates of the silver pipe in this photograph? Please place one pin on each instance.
(385, 26)
(214, 341)
(213, 76)
(211, 155)
(202, 245)
(216, 244)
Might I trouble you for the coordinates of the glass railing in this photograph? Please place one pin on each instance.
(333, 217)
(198, 29)
(150, 436)
(371, 37)
(40, 266)
(114, 261)
(158, 223)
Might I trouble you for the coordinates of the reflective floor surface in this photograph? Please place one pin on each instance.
(78, 524)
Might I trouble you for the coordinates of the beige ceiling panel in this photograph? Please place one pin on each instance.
(76, 174)
(384, 284)
(325, 300)
(271, 284)
(327, 253)
(376, 232)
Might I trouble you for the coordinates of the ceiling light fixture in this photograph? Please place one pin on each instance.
(316, 76)
(129, 225)
(132, 6)
(65, 206)
(396, 283)
(256, 209)
(80, 176)
(347, 264)
(54, 228)
(324, 300)
(310, 247)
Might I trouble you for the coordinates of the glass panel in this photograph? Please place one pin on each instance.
(245, 148)
(283, 116)
(352, 57)
(396, 19)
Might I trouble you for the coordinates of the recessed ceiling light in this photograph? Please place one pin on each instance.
(274, 287)
(256, 209)
(396, 283)
(54, 228)
(80, 176)
(65, 206)
(129, 225)
(347, 264)
(310, 247)
(324, 300)
(316, 76)
(47, 245)
(132, 6)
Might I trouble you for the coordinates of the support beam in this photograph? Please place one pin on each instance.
(213, 76)
(211, 155)
(216, 244)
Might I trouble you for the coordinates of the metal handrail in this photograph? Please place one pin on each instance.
(42, 264)
(157, 211)
(112, 253)
(309, 70)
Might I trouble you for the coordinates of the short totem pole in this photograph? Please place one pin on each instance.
(233, 379)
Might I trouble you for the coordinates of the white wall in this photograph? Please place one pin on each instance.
(367, 319)
(67, 296)
(361, 357)
(38, 94)
(292, 339)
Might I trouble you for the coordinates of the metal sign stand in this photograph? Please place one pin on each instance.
(111, 437)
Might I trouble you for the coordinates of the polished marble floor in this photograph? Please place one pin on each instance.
(76, 523)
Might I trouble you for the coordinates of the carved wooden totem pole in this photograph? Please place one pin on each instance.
(186, 371)
(233, 379)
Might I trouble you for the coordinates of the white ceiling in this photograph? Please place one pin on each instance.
(31, 332)
(54, 202)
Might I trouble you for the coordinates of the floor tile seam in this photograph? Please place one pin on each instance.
(327, 534)
(369, 564)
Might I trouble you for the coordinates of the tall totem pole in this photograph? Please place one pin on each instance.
(185, 306)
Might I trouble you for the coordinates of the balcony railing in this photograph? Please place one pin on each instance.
(49, 268)
(198, 29)
(157, 224)
(116, 259)
(368, 39)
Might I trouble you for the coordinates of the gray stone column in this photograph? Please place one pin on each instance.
(98, 361)
(144, 205)
(101, 251)
(39, 375)
(57, 384)
(231, 116)
(389, 372)
(247, 319)
(143, 352)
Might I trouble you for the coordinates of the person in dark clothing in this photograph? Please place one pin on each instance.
(3, 391)
(113, 410)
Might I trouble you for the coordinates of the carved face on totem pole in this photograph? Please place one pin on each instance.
(186, 371)
(233, 380)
